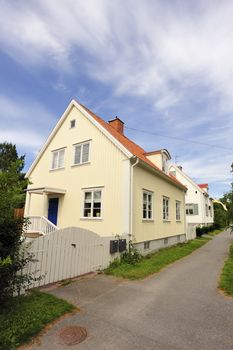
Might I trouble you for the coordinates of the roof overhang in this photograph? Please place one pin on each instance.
(72, 104)
(46, 190)
(162, 175)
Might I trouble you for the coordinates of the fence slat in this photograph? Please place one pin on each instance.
(68, 253)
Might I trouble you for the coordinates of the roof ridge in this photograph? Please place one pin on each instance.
(130, 145)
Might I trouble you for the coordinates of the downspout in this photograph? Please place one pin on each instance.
(131, 195)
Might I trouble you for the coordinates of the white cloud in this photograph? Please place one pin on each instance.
(147, 49)
(172, 54)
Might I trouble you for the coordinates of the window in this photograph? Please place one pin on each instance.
(178, 210)
(58, 159)
(207, 210)
(165, 208)
(191, 209)
(72, 123)
(92, 204)
(165, 240)
(210, 208)
(147, 205)
(164, 164)
(81, 153)
(147, 245)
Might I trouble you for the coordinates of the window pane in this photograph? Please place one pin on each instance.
(61, 158)
(144, 214)
(97, 195)
(55, 160)
(87, 212)
(77, 155)
(88, 197)
(85, 155)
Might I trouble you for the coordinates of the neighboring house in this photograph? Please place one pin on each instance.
(90, 175)
(199, 205)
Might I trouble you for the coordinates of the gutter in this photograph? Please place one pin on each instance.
(131, 195)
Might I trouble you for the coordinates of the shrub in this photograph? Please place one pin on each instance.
(132, 255)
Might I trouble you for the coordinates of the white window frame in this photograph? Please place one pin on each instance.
(81, 145)
(58, 163)
(191, 209)
(207, 210)
(147, 203)
(166, 211)
(178, 210)
(72, 123)
(211, 211)
(92, 191)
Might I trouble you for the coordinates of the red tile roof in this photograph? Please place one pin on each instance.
(203, 185)
(131, 146)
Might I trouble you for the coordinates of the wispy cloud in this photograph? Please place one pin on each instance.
(174, 58)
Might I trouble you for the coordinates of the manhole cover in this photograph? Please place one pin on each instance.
(72, 335)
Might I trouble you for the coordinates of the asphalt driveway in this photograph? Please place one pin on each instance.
(177, 309)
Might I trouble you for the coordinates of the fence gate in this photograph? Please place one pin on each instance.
(68, 253)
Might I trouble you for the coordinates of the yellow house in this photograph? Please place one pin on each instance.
(90, 175)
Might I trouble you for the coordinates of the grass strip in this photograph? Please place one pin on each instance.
(226, 278)
(154, 262)
(25, 316)
(215, 232)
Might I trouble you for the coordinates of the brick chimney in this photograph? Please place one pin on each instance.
(117, 124)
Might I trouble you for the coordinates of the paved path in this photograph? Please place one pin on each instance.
(177, 309)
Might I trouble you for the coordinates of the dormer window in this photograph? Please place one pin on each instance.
(72, 123)
(164, 164)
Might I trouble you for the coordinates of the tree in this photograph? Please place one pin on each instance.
(227, 199)
(221, 219)
(9, 155)
(13, 258)
(11, 163)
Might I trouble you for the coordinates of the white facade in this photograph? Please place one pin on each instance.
(199, 206)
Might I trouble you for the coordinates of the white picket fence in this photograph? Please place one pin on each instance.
(68, 253)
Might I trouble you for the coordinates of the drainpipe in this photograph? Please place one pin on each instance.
(131, 195)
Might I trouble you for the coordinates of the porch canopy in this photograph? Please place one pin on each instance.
(44, 191)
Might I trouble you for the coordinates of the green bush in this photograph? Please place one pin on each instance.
(132, 255)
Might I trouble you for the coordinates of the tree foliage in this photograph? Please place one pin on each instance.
(11, 166)
(13, 258)
(227, 199)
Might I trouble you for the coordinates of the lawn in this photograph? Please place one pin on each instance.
(25, 316)
(226, 278)
(215, 232)
(154, 262)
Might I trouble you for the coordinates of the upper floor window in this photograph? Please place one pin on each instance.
(81, 153)
(191, 209)
(207, 210)
(165, 208)
(164, 164)
(72, 123)
(211, 212)
(178, 210)
(92, 204)
(147, 205)
(58, 159)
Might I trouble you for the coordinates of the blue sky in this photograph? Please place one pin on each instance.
(163, 67)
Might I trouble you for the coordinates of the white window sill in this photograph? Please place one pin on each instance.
(57, 169)
(166, 221)
(147, 220)
(74, 165)
(91, 218)
(178, 221)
